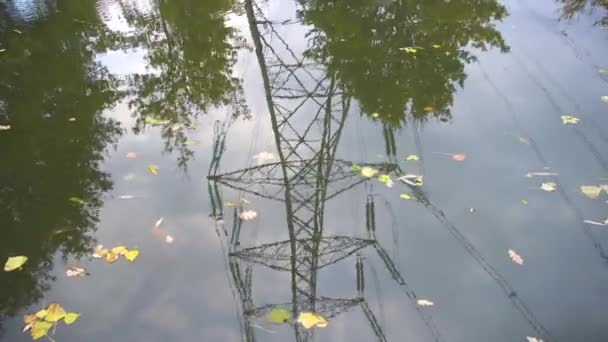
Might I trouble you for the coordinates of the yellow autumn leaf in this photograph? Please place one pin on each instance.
(570, 120)
(412, 157)
(591, 191)
(40, 329)
(54, 313)
(153, 169)
(369, 172)
(27, 319)
(120, 250)
(278, 316)
(111, 257)
(131, 255)
(40, 314)
(405, 196)
(100, 252)
(71, 317)
(14, 263)
(311, 320)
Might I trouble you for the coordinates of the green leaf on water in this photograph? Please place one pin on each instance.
(368, 171)
(14, 263)
(355, 168)
(40, 329)
(278, 315)
(71, 317)
(524, 202)
(384, 179)
(570, 120)
(76, 200)
(405, 196)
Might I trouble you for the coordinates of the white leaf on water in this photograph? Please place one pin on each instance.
(248, 215)
(424, 302)
(126, 197)
(158, 223)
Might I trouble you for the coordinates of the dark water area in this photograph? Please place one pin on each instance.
(396, 154)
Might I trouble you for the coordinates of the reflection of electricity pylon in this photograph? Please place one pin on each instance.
(307, 111)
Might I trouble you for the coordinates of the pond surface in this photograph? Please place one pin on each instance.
(397, 154)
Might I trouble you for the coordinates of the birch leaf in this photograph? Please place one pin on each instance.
(40, 314)
(40, 329)
(570, 120)
(311, 320)
(153, 169)
(120, 250)
(54, 313)
(591, 191)
(71, 317)
(278, 316)
(131, 255)
(14, 263)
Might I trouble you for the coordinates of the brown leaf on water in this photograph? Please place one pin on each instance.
(111, 257)
(76, 272)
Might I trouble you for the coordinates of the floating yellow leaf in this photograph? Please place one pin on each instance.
(405, 196)
(100, 252)
(591, 191)
(54, 313)
(549, 186)
(311, 320)
(369, 172)
(424, 302)
(412, 157)
(131, 255)
(76, 272)
(278, 316)
(111, 257)
(40, 314)
(515, 257)
(570, 120)
(153, 169)
(436, 46)
(30, 319)
(120, 250)
(428, 109)
(232, 204)
(40, 329)
(76, 200)
(384, 179)
(14, 263)
(71, 317)
(375, 115)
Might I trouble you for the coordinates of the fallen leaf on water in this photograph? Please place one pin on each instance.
(424, 302)
(158, 223)
(27, 319)
(405, 196)
(604, 98)
(232, 204)
(120, 250)
(524, 202)
(14, 263)
(248, 215)
(40, 329)
(131, 155)
(523, 140)
(591, 191)
(76, 200)
(100, 252)
(154, 121)
(71, 317)
(278, 315)
(384, 179)
(549, 186)
(2, 50)
(76, 272)
(126, 197)
(131, 255)
(375, 115)
(54, 313)
(459, 157)
(5, 127)
(412, 157)
(570, 120)
(368, 172)
(410, 49)
(516, 257)
(533, 339)
(72, 119)
(17, 31)
(41, 313)
(153, 169)
(428, 109)
(169, 239)
(311, 320)
(541, 174)
(111, 257)
(436, 46)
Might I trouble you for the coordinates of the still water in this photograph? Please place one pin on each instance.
(117, 113)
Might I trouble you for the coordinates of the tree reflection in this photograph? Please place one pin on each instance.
(48, 74)
(363, 43)
(190, 52)
(571, 8)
